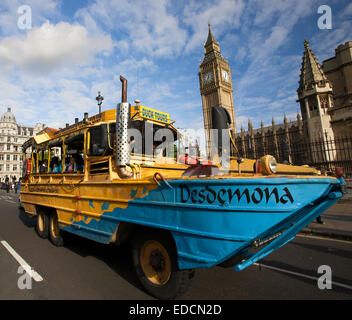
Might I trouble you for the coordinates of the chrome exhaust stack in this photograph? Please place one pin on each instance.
(122, 146)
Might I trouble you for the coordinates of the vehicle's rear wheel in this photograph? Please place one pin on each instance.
(55, 233)
(155, 262)
(42, 226)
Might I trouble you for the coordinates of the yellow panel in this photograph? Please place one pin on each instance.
(150, 114)
(40, 138)
(29, 208)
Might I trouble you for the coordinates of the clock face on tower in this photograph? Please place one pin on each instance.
(225, 76)
(208, 77)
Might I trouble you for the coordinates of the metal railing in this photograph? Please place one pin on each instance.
(324, 154)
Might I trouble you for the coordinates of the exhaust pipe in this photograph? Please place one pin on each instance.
(122, 145)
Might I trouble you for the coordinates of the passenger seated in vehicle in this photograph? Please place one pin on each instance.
(55, 165)
(71, 166)
(43, 168)
(157, 149)
(75, 164)
(79, 163)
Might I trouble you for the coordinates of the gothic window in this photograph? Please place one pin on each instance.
(313, 105)
(324, 102)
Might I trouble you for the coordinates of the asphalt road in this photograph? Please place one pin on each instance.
(83, 269)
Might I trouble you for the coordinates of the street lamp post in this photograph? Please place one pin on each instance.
(100, 99)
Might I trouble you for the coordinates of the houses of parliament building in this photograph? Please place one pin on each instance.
(324, 95)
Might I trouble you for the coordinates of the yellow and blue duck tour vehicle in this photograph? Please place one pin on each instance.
(102, 179)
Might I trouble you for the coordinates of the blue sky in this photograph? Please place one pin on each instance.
(51, 73)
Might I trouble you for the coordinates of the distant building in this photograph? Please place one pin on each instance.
(315, 95)
(12, 136)
(215, 83)
(278, 140)
(338, 70)
(325, 98)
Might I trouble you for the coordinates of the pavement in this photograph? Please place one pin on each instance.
(337, 221)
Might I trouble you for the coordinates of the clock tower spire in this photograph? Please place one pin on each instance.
(215, 84)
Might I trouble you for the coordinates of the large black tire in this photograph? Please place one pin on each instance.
(56, 236)
(42, 225)
(155, 262)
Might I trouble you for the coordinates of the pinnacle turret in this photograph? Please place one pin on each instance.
(211, 45)
(311, 71)
(211, 38)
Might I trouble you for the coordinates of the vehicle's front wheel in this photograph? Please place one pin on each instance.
(55, 233)
(155, 262)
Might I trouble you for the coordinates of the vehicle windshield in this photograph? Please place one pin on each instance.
(150, 139)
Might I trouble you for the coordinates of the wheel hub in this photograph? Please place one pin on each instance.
(157, 260)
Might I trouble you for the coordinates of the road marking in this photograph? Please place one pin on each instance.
(322, 238)
(6, 198)
(338, 284)
(10, 201)
(35, 275)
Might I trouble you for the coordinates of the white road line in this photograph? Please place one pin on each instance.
(6, 198)
(35, 275)
(10, 201)
(322, 238)
(302, 275)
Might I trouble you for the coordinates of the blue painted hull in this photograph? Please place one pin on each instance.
(212, 220)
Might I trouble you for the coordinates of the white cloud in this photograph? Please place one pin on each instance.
(148, 25)
(40, 10)
(222, 14)
(266, 64)
(267, 10)
(50, 46)
(325, 42)
(347, 11)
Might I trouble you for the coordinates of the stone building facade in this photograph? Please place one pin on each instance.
(12, 136)
(315, 96)
(278, 140)
(338, 70)
(325, 98)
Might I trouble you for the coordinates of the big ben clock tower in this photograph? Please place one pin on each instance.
(215, 85)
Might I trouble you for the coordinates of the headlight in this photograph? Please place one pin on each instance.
(269, 164)
(272, 164)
